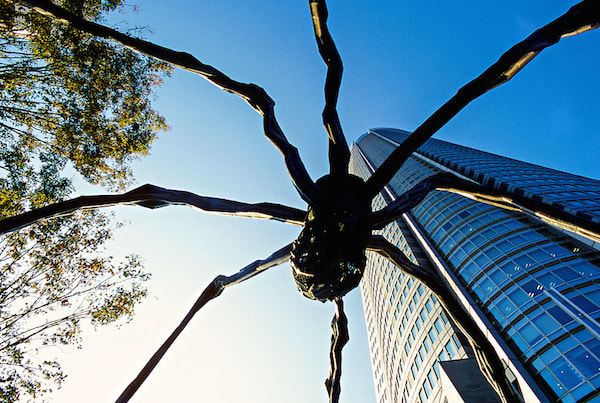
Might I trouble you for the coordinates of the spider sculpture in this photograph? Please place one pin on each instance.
(328, 258)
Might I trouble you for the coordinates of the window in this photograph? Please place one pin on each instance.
(584, 361)
(438, 325)
(432, 378)
(565, 373)
(510, 268)
(414, 332)
(436, 369)
(545, 323)
(548, 280)
(427, 344)
(555, 251)
(456, 342)
(560, 315)
(566, 273)
(443, 316)
(429, 305)
(427, 388)
(419, 323)
(549, 355)
(530, 334)
(506, 307)
(432, 335)
(594, 296)
(585, 268)
(451, 349)
(585, 304)
(532, 288)
(518, 297)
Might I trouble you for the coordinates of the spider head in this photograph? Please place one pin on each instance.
(328, 258)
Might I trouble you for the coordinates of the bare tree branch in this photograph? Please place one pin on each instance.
(254, 95)
(582, 17)
(152, 197)
(339, 154)
(489, 362)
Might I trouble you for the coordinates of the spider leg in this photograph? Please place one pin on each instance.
(404, 202)
(214, 289)
(339, 338)
(339, 154)
(151, 196)
(582, 17)
(254, 95)
(489, 362)
(496, 197)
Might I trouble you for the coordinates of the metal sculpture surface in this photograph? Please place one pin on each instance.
(328, 258)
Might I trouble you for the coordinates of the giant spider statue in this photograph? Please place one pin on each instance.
(328, 258)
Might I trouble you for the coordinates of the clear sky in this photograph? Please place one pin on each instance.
(262, 341)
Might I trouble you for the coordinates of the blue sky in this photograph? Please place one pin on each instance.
(262, 341)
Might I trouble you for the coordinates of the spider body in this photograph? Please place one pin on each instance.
(328, 258)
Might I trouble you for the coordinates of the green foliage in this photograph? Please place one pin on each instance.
(52, 280)
(66, 99)
(83, 99)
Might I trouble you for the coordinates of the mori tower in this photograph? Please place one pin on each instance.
(532, 288)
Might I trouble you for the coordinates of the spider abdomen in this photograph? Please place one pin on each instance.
(328, 258)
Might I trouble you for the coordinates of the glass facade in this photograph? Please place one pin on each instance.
(537, 288)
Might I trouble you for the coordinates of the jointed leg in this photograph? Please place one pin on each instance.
(339, 154)
(486, 356)
(582, 17)
(254, 95)
(339, 338)
(151, 196)
(499, 198)
(405, 202)
(214, 289)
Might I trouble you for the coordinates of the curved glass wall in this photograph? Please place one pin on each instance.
(537, 286)
(408, 332)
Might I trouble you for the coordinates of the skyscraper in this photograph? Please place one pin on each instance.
(532, 288)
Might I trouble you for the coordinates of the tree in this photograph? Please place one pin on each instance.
(66, 100)
(68, 94)
(52, 280)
